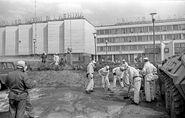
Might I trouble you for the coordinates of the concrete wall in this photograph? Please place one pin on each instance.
(41, 37)
(89, 38)
(51, 37)
(25, 39)
(74, 35)
(2, 41)
(55, 37)
(11, 40)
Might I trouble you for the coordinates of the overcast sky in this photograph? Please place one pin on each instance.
(99, 12)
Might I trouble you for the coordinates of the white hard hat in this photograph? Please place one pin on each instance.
(146, 58)
(124, 60)
(21, 64)
(93, 62)
(122, 68)
(107, 67)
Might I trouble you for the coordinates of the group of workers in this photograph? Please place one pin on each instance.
(56, 58)
(129, 77)
(18, 84)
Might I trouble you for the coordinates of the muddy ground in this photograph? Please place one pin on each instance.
(60, 94)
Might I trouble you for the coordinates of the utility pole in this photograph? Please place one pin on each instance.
(94, 46)
(153, 21)
(106, 49)
(35, 39)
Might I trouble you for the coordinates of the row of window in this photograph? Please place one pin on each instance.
(140, 38)
(141, 29)
(120, 48)
(130, 58)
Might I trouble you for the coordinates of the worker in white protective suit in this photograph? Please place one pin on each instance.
(124, 63)
(56, 59)
(104, 72)
(118, 72)
(90, 71)
(133, 79)
(149, 71)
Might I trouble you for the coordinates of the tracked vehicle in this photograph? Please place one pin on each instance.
(172, 74)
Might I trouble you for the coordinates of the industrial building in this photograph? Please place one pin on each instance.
(131, 39)
(52, 36)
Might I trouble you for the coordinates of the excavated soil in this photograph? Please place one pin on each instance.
(60, 94)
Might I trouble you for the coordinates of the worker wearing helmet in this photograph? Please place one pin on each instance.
(124, 63)
(90, 71)
(118, 72)
(18, 83)
(148, 71)
(56, 59)
(104, 72)
(133, 79)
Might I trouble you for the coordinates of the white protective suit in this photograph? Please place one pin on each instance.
(56, 59)
(118, 74)
(90, 71)
(148, 70)
(104, 72)
(135, 80)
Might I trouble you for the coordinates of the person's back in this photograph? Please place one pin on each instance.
(18, 81)
(117, 71)
(149, 68)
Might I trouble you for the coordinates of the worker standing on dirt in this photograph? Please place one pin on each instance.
(56, 59)
(18, 83)
(44, 56)
(104, 72)
(148, 71)
(90, 71)
(133, 79)
(118, 73)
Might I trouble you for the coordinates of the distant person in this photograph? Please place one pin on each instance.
(90, 71)
(18, 84)
(104, 72)
(44, 57)
(148, 71)
(56, 59)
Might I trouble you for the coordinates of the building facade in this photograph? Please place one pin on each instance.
(53, 36)
(129, 40)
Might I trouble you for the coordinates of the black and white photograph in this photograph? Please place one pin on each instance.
(92, 59)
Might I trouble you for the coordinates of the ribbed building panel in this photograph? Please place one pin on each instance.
(2, 41)
(74, 35)
(41, 37)
(25, 39)
(11, 40)
(55, 37)
(89, 38)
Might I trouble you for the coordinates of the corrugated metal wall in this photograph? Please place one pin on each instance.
(2, 41)
(74, 35)
(55, 37)
(41, 38)
(51, 37)
(11, 40)
(25, 39)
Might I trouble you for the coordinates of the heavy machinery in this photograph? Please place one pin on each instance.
(172, 74)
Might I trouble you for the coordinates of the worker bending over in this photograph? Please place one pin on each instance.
(104, 72)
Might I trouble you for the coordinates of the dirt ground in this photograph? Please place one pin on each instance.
(60, 94)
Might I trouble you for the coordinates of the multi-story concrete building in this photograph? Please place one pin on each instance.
(128, 40)
(53, 36)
